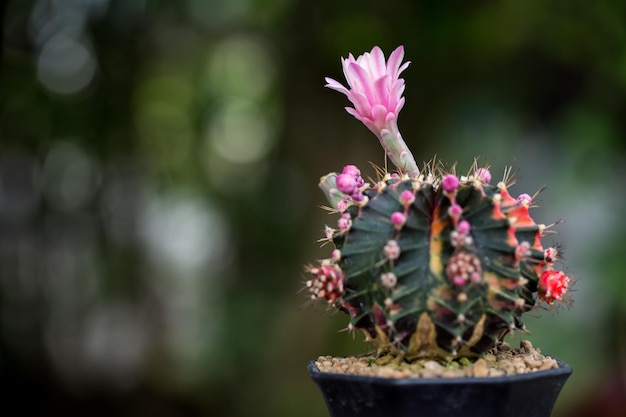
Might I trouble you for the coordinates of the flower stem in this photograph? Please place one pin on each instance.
(398, 152)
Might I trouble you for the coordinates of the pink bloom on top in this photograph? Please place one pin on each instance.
(375, 88)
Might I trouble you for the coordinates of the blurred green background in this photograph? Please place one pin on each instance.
(158, 186)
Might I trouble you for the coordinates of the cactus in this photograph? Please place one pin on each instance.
(430, 263)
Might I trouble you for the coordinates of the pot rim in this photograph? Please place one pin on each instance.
(563, 369)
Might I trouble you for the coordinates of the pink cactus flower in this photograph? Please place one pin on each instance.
(375, 87)
(375, 90)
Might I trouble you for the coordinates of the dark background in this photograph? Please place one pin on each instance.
(158, 186)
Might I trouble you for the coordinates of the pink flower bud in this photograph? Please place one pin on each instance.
(450, 183)
(357, 195)
(455, 211)
(524, 199)
(398, 219)
(351, 170)
(343, 204)
(345, 222)
(407, 198)
(458, 280)
(388, 279)
(346, 183)
(392, 250)
(463, 227)
(483, 175)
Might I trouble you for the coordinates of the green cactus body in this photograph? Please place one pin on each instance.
(435, 267)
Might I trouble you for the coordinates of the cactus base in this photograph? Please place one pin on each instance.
(532, 394)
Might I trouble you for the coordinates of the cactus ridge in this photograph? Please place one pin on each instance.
(436, 265)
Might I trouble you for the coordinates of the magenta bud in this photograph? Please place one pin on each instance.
(450, 183)
(455, 211)
(343, 204)
(483, 175)
(346, 183)
(524, 199)
(357, 195)
(352, 171)
(345, 222)
(463, 227)
(407, 198)
(398, 219)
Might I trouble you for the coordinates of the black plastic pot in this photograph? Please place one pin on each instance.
(526, 395)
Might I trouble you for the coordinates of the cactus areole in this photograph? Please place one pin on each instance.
(427, 263)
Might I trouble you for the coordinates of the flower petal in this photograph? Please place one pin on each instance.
(394, 62)
(395, 93)
(335, 85)
(361, 103)
(379, 114)
(381, 89)
(403, 67)
(376, 63)
(399, 106)
(360, 80)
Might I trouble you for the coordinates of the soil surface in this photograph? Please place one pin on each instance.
(500, 362)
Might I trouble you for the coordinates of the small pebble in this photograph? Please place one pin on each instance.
(480, 368)
(533, 363)
(526, 344)
(453, 373)
(433, 366)
(496, 372)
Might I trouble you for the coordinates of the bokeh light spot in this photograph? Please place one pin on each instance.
(66, 64)
(240, 132)
(240, 66)
(70, 177)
